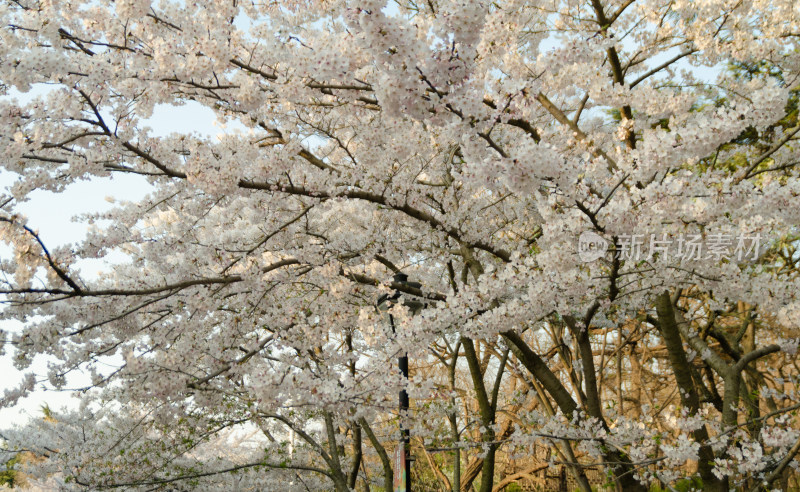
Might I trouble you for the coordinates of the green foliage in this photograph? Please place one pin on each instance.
(8, 477)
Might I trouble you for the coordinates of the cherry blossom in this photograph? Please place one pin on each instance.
(468, 145)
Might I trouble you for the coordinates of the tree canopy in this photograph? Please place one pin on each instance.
(599, 200)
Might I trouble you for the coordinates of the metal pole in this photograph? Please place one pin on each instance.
(402, 363)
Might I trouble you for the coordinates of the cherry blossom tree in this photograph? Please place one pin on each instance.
(468, 145)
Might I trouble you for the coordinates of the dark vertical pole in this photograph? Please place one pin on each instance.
(402, 363)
